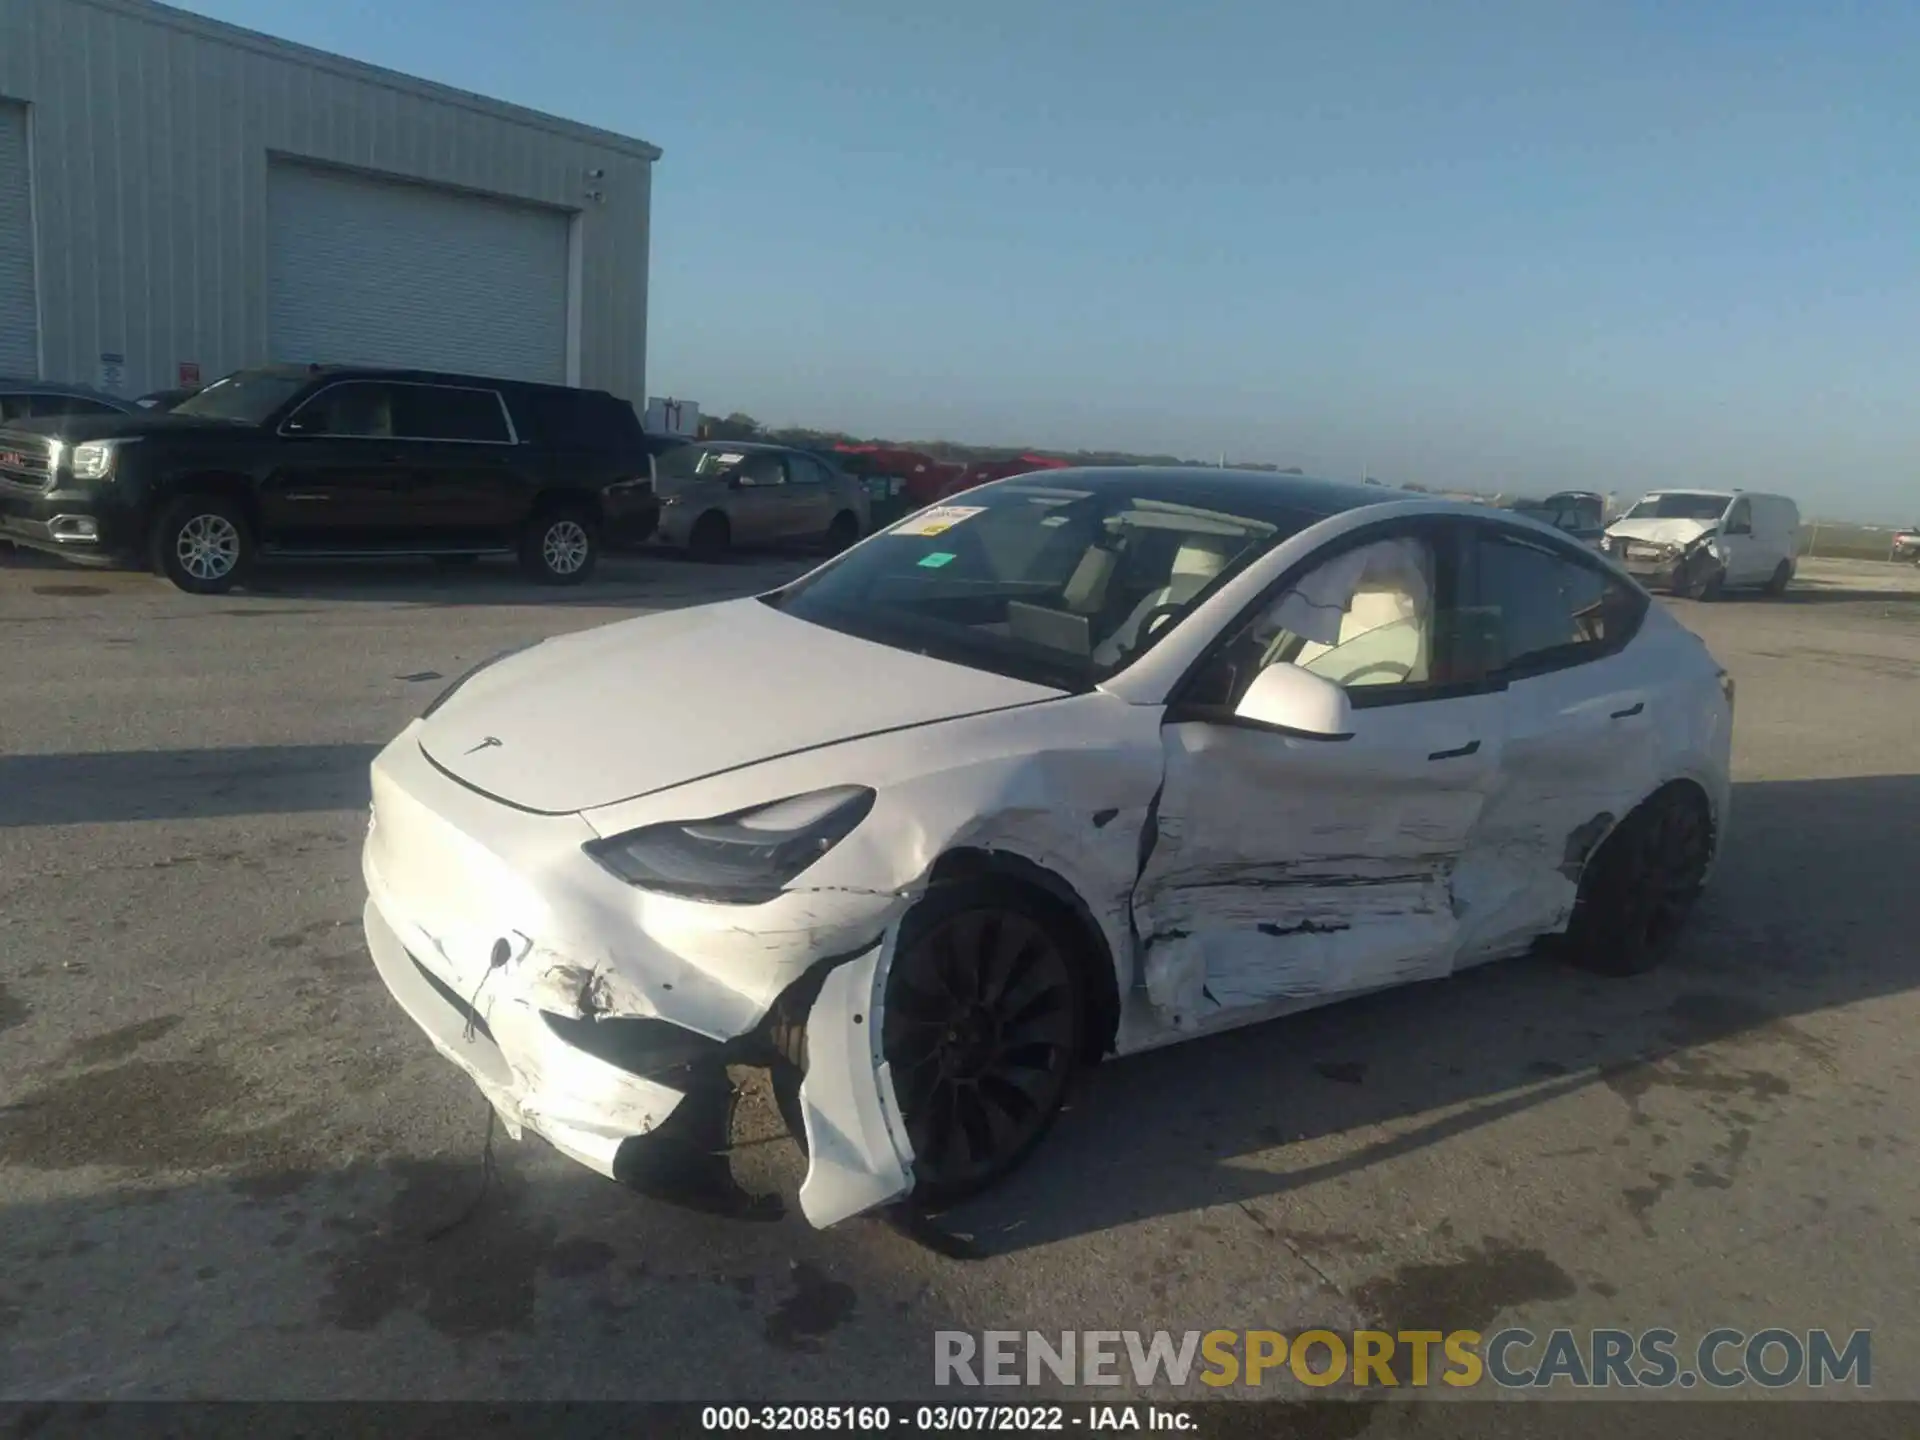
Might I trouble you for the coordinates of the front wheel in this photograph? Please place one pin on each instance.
(1640, 885)
(201, 543)
(561, 547)
(982, 1031)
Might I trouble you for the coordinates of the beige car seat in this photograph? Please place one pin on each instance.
(1197, 562)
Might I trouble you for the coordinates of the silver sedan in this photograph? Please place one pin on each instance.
(718, 494)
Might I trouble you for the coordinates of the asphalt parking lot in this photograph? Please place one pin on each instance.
(229, 1165)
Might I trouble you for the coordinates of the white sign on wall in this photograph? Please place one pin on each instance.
(673, 417)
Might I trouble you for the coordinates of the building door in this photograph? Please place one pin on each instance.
(19, 308)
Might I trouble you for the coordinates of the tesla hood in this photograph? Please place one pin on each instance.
(609, 714)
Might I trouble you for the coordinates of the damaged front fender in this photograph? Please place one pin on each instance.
(858, 1153)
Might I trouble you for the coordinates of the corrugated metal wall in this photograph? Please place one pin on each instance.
(151, 134)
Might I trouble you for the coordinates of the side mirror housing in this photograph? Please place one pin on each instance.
(1297, 702)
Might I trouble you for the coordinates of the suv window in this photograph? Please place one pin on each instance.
(576, 419)
(805, 470)
(359, 409)
(1532, 609)
(764, 468)
(442, 412)
(1740, 518)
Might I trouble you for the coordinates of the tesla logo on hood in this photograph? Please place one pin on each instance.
(487, 743)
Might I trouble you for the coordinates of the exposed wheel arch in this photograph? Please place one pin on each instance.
(1051, 892)
(235, 488)
(583, 501)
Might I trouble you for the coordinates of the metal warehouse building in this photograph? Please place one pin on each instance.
(179, 198)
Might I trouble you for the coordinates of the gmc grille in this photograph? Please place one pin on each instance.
(25, 462)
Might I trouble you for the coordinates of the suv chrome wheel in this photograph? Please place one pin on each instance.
(565, 547)
(208, 547)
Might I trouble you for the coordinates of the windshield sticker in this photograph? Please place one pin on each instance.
(937, 520)
(937, 559)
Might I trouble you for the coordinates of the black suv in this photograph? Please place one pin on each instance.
(335, 461)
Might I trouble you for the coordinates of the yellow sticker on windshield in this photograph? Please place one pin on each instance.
(937, 520)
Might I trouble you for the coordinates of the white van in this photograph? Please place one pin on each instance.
(1699, 542)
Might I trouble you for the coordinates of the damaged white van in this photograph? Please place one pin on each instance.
(1094, 761)
(1700, 542)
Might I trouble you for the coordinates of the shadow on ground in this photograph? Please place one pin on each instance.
(90, 788)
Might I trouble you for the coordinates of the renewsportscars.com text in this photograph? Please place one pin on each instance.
(1512, 1359)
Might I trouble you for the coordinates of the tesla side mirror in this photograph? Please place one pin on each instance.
(1285, 697)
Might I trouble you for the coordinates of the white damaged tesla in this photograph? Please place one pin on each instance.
(1082, 763)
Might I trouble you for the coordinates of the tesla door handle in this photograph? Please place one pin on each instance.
(1631, 710)
(1471, 747)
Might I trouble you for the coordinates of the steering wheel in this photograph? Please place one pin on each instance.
(1390, 666)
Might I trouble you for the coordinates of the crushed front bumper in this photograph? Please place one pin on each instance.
(508, 954)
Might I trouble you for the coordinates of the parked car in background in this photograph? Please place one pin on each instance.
(1080, 764)
(1579, 513)
(165, 399)
(285, 461)
(41, 399)
(1700, 542)
(1906, 546)
(716, 494)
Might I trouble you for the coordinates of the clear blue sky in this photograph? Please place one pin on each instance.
(1516, 243)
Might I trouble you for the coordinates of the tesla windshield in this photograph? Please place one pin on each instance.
(1060, 583)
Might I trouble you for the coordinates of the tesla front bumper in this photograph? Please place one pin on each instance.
(537, 974)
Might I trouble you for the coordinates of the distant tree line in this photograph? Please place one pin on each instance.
(738, 425)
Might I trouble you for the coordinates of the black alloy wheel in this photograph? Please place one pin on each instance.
(982, 1032)
(1640, 886)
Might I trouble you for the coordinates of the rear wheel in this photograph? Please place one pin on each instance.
(560, 547)
(710, 537)
(844, 531)
(1640, 885)
(1782, 576)
(201, 543)
(985, 1012)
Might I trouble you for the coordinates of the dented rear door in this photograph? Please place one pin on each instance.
(1287, 868)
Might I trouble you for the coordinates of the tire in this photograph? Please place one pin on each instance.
(844, 532)
(1640, 885)
(560, 547)
(1782, 577)
(202, 543)
(985, 1017)
(711, 537)
(1705, 584)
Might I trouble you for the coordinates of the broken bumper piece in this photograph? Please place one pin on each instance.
(592, 1053)
(536, 1079)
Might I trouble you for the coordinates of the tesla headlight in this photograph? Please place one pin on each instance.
(745, 858)
(91, 461)
(448, 693)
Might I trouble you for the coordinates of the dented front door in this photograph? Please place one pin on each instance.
(1288, 869)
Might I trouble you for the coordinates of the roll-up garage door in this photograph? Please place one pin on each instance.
(374, 272)
(19, 314)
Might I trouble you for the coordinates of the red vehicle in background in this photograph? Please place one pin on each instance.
(925, 480)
